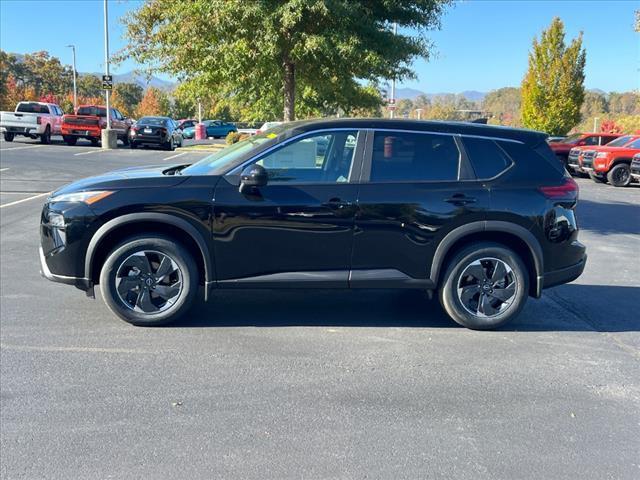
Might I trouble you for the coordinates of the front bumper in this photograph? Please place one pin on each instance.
(81, 283)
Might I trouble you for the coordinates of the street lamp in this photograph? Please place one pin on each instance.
(75, 91)
(109, 137)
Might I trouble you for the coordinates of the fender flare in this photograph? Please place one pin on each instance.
(490, 226)
(168, 219)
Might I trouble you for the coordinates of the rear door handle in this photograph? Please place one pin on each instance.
(460, 199)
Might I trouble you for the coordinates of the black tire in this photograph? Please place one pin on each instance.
(169, 145)
(132, 145)
(94, 141)
(461, 264)
(45, 138)
(125, 139)
(620, 175)
(118, 259)
(8, 136)
(69, 140)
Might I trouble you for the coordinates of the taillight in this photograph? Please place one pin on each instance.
(39, 120)
(568, 190)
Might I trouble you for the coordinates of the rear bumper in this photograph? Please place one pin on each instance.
(81, 283)
(84, 131)
(22, 130)
(564, 275)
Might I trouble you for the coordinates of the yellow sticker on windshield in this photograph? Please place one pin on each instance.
(271, 135)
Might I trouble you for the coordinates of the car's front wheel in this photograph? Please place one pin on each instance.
(485, 286)
(620, 175)
(149, 281)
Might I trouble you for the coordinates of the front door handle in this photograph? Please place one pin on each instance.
(460, 199)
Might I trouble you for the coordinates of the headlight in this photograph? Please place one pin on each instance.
(602, 155)
(84, 197)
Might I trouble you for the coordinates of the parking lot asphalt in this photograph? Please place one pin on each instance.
(313, 384)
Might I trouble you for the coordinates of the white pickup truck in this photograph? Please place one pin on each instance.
(33, 120)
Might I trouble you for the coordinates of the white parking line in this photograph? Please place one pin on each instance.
(21, 148)
(89, 152)
(24, 200)
(175, 156)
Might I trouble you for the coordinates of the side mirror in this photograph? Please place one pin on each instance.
(254, 176)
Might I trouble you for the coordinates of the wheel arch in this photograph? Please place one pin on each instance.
(514, 236)
(117, 229)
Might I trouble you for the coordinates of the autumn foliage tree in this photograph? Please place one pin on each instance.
(553, 87)
(154, 102)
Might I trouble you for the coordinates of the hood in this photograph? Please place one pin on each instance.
(136, 177)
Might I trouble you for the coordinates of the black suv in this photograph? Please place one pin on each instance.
(484, 215)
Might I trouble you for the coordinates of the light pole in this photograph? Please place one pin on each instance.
(393, 80)
(75, 90)
(109, 137)
(595, 124)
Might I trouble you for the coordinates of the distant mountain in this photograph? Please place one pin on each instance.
(412, 93)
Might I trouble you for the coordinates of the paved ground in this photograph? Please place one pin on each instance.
(366, 384)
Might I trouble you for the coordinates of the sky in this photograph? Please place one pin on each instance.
(483, 44)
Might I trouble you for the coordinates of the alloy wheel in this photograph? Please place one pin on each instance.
(149, 282)
(487, 287)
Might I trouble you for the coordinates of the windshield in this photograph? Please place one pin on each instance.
(618, 142)
(95, 111)
(571, 139)
(156, 121)
(225, 159)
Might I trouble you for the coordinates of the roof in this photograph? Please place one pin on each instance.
(530, 137)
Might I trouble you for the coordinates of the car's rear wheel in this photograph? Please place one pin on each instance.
(125, 139)
(485, 286)
(45, 138)
(133, 145)
(619, 175)
(69, 140)
(149, 281)
(94, 141)
(8, 136)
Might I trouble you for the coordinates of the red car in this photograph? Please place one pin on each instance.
(562, 148)
(612, 164)
(574, 162)
(89, 121)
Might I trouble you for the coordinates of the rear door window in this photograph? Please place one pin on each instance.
(487, 158)
(414, 157)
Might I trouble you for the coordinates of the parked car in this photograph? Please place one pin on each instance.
(575, 160)
(390, 204)
(635, 167)
(160, 131)
(186, 123)
(89, 121)
(32, 120)
(562, 148)
(266, 126)
(611, 164)
(218, 128)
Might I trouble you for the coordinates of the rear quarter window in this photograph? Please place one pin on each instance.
(534, 164)
(487, 158)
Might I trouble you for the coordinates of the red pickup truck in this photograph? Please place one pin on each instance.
(562, 149)
(612, 164)
(89, 121)
(574, 162)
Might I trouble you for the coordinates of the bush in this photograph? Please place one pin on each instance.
(235, 137)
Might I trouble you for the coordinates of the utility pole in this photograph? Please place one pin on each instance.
(109, 137)
(393, 80)
(595, 124)
(75, 90)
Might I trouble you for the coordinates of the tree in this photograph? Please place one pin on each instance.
(553, 87)
(126, 97)
(610, 126)
(154, 102)
(274, 56)
(89, 86)
(504, 106)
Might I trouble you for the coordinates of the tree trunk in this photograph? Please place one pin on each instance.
(289, 91)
